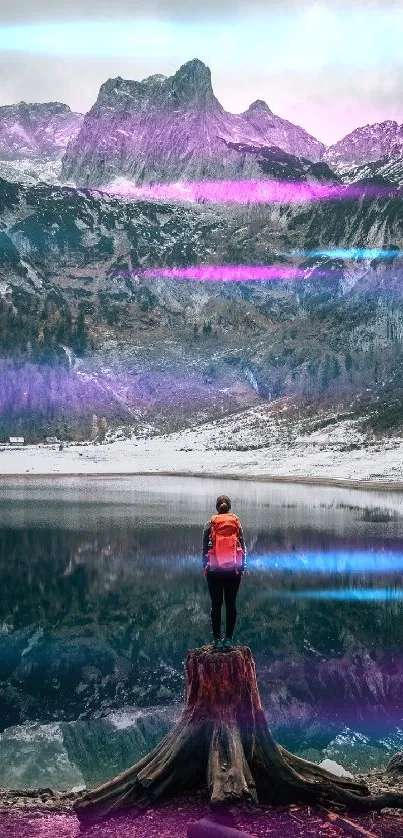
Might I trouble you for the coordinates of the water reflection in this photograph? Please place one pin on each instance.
(101, 596)
(66, 543)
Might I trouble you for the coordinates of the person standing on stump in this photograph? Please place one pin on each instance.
(224, 555)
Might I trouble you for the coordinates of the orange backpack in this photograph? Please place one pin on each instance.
(226, 552)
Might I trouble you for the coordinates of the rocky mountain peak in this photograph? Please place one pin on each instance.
(48, 107)
(367, 144)
(173, 128)
(260, 107)
(113, 86)
(192, 84)
(156, 79)
(194, 71)
(36, 129)
(387, 123)
(37, 111)
(281, 133)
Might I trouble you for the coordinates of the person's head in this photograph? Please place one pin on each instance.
(223, 504)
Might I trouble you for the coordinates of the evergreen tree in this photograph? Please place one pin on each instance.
(80, 336)
(348, 361)
(94, 428)
(103, 427)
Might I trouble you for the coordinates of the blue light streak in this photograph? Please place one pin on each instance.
(345, 595)
(333, 561)
(350, 253)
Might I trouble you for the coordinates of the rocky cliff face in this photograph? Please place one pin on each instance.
(33, 138)
(167, 129)
(36, 130)
(71, 755)
(368, 144)
(386, 170)
(67, 251)
(281, 133)
(54, 234)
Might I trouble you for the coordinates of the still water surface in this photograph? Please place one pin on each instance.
(102, 594)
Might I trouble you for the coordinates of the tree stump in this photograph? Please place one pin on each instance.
(222, 740)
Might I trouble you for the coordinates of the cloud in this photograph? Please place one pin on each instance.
(327, 66)
(75, 81)
(313, 37)
(25, 10)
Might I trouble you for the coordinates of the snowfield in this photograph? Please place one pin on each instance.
(256, 443)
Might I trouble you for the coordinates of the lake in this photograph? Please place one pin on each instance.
(102, 594)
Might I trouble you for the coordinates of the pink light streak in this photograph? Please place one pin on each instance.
(248, 191)
(226, 273)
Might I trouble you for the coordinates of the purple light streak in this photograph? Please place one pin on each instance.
(32, 389)
(249, 191)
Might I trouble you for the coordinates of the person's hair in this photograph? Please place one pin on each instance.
(223, 504)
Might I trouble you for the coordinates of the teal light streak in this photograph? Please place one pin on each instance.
(308, 38)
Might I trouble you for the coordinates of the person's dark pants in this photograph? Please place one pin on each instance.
(223, 584)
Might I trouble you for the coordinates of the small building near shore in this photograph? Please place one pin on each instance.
(50, 439)
(16, 440)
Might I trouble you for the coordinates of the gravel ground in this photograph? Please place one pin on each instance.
(44, 816)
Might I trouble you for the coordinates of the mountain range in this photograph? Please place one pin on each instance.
(73, 295)
(167, 129)
(165, 353)
(173, 128)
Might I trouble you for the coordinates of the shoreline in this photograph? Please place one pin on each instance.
(255, 449)
(336, 482)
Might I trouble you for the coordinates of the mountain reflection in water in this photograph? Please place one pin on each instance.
(102, 594)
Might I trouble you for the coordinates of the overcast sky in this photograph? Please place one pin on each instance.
(328, 66)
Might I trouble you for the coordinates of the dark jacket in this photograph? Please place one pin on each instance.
(207, 544)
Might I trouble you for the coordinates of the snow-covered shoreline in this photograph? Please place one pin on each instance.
(233, 448)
